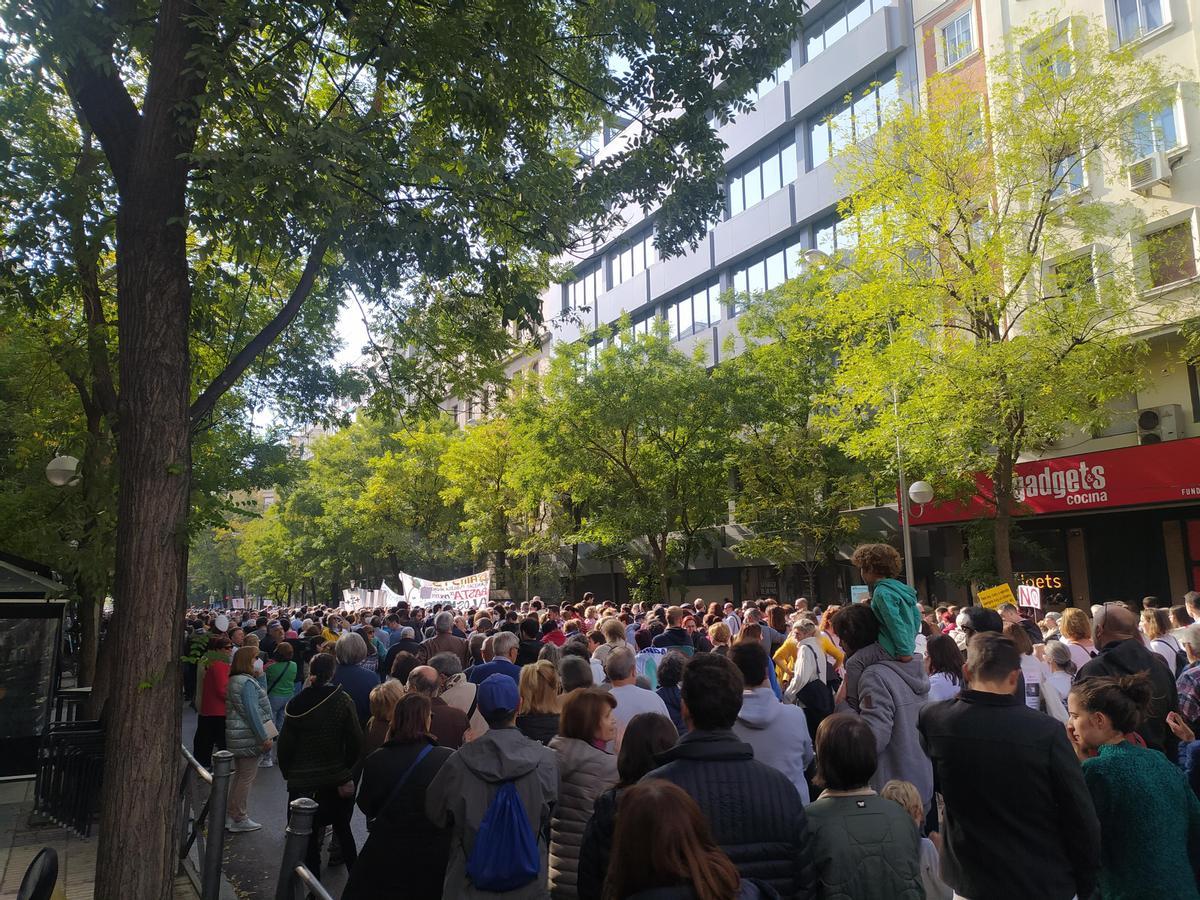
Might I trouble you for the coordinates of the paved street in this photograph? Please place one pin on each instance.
(252, 859)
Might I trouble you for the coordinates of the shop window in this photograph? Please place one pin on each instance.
(1191, 530)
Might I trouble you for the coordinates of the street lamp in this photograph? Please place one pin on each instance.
(62, 471)
(920, 492)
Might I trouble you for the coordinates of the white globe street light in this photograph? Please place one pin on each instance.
(920, 492)
(62, 471)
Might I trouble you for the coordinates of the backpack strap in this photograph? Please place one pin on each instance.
(278, 678)
(474, 703)
(404, 778)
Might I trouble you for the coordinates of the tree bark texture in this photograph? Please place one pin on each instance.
(1002, 480)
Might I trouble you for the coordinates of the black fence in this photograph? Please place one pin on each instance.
(70, 767)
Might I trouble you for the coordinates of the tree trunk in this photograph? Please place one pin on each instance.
(91, 604)
(136, 855)
(574, 572)
(1002, 480)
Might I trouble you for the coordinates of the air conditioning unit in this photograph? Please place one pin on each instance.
(1149, 171)
(1156, 424)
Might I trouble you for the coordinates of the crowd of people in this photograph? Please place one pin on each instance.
(879, 749)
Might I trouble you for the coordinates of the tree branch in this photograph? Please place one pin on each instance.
(208, 398)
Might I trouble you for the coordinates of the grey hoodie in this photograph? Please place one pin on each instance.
(778, 732)
(463, 788)
(890, 696)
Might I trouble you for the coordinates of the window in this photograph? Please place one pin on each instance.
(1075, 277)
(1068, 176)
(781, 74)
(583, 291)
(1137, 17)
(766, 271)
(693, 311)
(823, 33)
(763, 175)
(833, 234)
(1171, 254)
(1154, 131)
(633, 256)
(836, 126)
(956, 39)
(1051, 51)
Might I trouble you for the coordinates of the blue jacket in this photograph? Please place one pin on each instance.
(357, 682)
(500, 666)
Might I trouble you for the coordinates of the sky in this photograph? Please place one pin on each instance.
(352, 331)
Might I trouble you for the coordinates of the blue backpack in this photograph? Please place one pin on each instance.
(505, 855)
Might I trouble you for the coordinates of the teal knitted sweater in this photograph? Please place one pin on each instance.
(1148, 818)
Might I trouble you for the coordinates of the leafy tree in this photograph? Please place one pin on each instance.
(359, 144)
(214, 564)
(638, 435)
(968, 328)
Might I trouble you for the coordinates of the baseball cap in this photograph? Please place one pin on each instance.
(221, 622)
(498, 693)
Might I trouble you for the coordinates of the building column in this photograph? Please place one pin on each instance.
(1077, 568)
(1176, 559)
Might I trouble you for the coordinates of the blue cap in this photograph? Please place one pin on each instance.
(498, 693)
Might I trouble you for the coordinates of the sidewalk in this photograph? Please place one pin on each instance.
(20, 843)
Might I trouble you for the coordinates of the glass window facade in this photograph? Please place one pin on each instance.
(583, 291)
(781, 74)
(823, 33)
(694, 310)
(1068, 175)
(755, 180)
(837, 126)
(1136, 17)
(633, 255)
(766, 271)
(832, 234)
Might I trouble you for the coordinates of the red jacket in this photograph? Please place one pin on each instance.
(216, 683)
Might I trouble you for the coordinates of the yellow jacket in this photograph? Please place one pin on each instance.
(785, 660)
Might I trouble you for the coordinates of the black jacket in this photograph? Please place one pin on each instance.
(1131, 656)
(596, 848)
(755, 812)
(538, 727)
(528, 651)
(395, 648)
(399, 826)
(1019, 819)
(675, 638)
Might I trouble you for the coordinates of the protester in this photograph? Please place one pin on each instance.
(891, 693)
(893, 602)
(585, 769)
(944, 663)
(281, 680)
(630, 698)
(504, 656)
(675, 637)
(248, 712)
(530, 644)
(448, 724)
(1076, 630)
(1011, 615)
(497, 777)
(721, 637)
(778, 732)
(1011, 786)
(352, 676)
(909, 799)
(213, 686)
(670, 673)
(1149, 815)
(1156, 626)
(664, 848)
(1057, 686)
(756, 813)
(319, 745)
(574, 673)
(540, 708)
(647, 736)
(392, 796)
(444, 641)
(863, 846)
(807, 687)
(457, 691)
(384, 698)
(1033, 671)
(1123, 653)
(403, 642)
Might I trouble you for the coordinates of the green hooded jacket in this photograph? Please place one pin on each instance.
(895, 606)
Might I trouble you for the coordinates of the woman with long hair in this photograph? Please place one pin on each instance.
(541, 705)
(646, 736)
(392, 797)
(585, 769)
(944, 663)
(246, 717)
(1149, 816)
(1156, 626)
(663, 847)
(1057, 686)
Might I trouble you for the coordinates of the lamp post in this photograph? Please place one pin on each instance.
(62, 471)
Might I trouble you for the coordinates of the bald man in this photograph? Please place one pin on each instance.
(447, 723)
(1122, 652)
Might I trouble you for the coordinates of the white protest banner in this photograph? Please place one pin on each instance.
(1028, 595)
(470, 590)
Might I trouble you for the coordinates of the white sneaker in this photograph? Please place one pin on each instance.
(247, 824)
(265, 763)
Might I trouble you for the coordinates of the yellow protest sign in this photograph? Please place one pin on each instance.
(994, 598)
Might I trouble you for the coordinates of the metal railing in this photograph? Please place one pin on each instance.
(295, 880)
(200, 809)
(70, 769)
